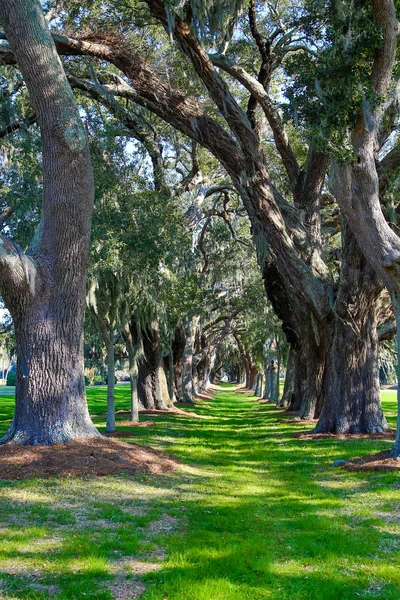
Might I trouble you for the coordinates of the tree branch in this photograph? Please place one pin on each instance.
(18, 125)
(129, 120)
(257, 90)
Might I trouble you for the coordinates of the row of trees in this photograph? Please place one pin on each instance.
(296, 114)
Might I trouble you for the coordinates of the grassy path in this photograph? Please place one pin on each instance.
(254, 514)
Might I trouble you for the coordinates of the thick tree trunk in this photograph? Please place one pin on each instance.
(178, 347)
(151, 376)
(259, 381)
(290, 379)
(300, 381)
(351, 388)
(50, 405)
(314, 350)
(273, 397)
(351, 391)
(267, 385)
(278, 370)
(45, 289)
(187, 361)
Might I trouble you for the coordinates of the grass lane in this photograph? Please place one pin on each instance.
(254, 514)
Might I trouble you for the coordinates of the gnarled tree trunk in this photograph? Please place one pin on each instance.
(151, 377)
(351, 388)
(44, 289)
(290, 379)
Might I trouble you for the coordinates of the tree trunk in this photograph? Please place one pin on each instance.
(151, 377)
(259, 381)
(274, 387)
(290, 379)
(278, 370)
(351, 388)
(178, 347)
(44, 289)
(132, 350)
(300, 381)
(110, 424)
(396, 308)
(267, 384)
(187, 361)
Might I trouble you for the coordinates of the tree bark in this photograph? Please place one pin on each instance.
(45, 288)
(351, 388)
(132, 350)
(187, 361)
(259, 381)
(178, 347)
(290, 379)
(151, 376)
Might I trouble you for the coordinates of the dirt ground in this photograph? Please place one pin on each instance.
(82, 457)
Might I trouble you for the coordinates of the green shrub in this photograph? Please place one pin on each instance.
(11, 378)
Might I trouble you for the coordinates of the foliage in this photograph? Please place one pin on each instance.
(328, 89)
(11, 377)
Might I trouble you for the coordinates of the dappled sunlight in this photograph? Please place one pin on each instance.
(250, 513)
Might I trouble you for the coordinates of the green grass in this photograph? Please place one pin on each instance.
(253, 514)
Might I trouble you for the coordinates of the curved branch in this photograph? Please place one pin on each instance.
(384, 14)
(257, 90)
(18, 275)
(129, 120)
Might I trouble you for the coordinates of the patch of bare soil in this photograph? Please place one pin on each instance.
(126, 589)
(82, 457)
(243, 390)
(309, 435)
(380, 461)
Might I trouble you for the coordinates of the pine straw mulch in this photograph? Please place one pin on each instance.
(380, 461)
(82, 457)
(310, 435)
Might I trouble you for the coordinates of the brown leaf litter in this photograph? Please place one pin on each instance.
(310, 435)
(82, 457)
(380, 461)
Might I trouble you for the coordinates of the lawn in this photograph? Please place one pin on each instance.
(253, 514)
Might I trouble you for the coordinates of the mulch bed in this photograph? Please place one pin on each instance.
(297, 421)
(309, 435)
(380, 461)
(82, 457)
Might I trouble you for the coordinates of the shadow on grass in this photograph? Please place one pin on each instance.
(258, 515)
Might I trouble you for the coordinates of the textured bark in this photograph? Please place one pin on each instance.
(314, 351)
(132, 349)
(178, 347)
(45, 289)
(259, 381)
(351, 388)
(151, 377)
(110, 422)
(187, 361)
(267, 382)
(290, 379)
